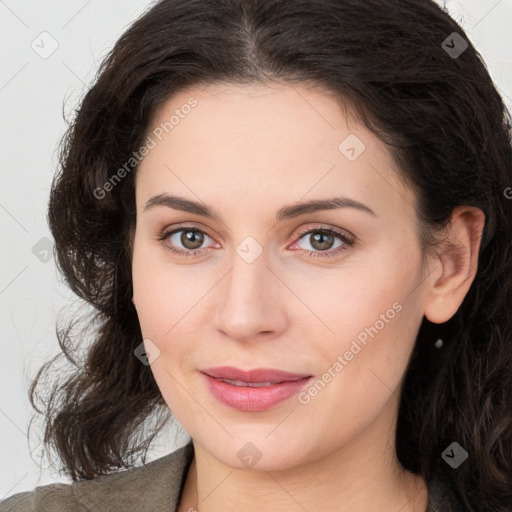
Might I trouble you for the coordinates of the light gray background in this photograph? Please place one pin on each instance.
(33, 88)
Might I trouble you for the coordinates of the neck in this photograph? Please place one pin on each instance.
(363, 475)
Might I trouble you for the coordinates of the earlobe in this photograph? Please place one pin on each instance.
(458, 259)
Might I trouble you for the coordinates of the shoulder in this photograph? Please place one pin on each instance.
(154, 486)
(444, 497)
(56, 497)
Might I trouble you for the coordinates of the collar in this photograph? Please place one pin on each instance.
(153, 487)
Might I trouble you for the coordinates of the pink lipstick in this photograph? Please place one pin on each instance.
(253, 390)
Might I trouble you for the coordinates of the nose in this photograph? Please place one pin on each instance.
(251, 302)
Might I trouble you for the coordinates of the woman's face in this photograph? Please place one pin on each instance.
(262, 292)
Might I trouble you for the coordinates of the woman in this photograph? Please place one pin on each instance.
(293, 221)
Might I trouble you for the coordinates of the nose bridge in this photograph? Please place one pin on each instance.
(248, 303)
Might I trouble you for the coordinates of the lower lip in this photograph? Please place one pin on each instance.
(253, 399)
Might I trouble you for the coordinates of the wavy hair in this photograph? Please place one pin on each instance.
(449, 133)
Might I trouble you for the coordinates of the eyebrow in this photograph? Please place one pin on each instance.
(285, 213)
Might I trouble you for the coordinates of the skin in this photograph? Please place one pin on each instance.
(247, 151)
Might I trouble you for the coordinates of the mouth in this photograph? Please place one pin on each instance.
(253, 390)
(258, 377)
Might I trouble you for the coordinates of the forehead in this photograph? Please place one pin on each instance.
(241, 139)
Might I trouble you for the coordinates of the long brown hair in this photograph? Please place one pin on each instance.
(447, 129)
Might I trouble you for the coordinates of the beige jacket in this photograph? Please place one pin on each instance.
(155, 487)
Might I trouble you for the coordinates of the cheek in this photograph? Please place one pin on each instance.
(350, 302)
(159, 310)
(151, 293)
(360, 377)
(168, 300)
(373, 318)
(164, 296)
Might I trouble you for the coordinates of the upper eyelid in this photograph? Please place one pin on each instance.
(339, 231)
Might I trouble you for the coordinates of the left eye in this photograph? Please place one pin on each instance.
(191, 239)
(322, 240)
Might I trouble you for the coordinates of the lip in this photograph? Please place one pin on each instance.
(281, 386)
(256, 375)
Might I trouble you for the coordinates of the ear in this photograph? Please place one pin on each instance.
(457, 261)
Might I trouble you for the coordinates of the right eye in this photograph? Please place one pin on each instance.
(191, 238)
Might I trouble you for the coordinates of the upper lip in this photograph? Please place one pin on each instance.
(255, 375)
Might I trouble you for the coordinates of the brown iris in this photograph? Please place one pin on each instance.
(195, 238)
(318, 241)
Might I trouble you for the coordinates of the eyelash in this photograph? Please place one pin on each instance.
(347, 242)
